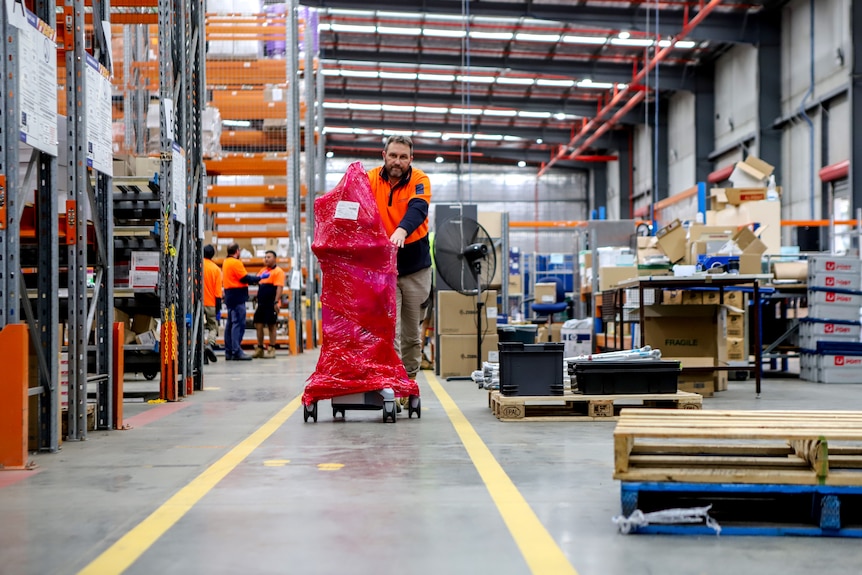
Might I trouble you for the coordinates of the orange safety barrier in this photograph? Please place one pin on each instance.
(118, 372)
(15, 342)
(168, 383)
(309, 340)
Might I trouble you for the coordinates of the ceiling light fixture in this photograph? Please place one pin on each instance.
(398, 75)
(466, 111)
(439, 159)
(438, 33)
(359, 73)
(539, 140)
(236, 123)
(537, 37)
(431, 110)
(476, 35)
(624, 35)
(516, 81)
(437, 77)
(399, 30)
(476, 79)
(639, 42)
(353, 28)
(528, 114)
(572, 39)
(396, 108)
(522, 164)
(330, 154)
(555, 83)
(493, 112)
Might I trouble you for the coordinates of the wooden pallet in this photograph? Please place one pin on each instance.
(750, 447)
(750, 509)
(579, 407)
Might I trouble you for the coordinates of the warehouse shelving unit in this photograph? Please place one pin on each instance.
(181, 182)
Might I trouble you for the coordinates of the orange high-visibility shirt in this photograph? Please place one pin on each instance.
(212, 282)
(233, 271)
(392, 201)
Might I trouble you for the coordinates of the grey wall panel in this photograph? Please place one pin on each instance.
(832, 49)
(839, 130)
(543, 241)
(796, 181)
(643, 163)
(735, 94)
(682, 159)
(613, 205)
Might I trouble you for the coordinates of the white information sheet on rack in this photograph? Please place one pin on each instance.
(178, 182)
(100, 153)
(37, 78)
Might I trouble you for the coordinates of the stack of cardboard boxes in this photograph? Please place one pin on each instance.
(692, 327)
(456, 327)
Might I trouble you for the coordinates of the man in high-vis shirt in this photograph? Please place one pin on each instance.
(403, 194)
(269, 293)
(212, 301)
(236, 282)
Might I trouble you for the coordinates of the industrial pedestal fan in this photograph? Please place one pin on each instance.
(466, 260)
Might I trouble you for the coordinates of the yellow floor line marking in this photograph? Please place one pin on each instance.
(539, 549)
(276, 462)
(330, 466)
(122, 554)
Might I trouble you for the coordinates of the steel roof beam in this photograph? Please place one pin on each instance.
(580, 108)
(672, 77)
(733, 27)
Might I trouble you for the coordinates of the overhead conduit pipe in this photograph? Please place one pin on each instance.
(622, 94)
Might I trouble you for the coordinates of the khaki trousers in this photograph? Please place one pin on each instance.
(211, 325)
(412, 292)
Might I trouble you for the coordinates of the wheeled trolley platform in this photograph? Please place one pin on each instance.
(366, 401)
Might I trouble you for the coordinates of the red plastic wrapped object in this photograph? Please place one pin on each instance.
(358, 296)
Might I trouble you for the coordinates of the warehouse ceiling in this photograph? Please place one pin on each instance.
(507, 81)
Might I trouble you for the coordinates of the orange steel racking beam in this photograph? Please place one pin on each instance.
(250, 221)
(260, 164)
(250, 191)
(251, 207)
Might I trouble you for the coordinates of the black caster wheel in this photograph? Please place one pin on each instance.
(336, 411)
(414, 399)
(389, 411)
(310, 411)
(150, 375)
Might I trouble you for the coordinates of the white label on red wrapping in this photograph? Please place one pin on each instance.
(345, 210)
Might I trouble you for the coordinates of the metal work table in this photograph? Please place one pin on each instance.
(720, 281)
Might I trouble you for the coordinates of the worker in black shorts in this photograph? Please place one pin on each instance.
(268, 304)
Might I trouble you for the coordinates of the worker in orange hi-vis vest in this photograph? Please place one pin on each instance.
(403, 194)
(236, 281)
(212, 302)
(269, 293)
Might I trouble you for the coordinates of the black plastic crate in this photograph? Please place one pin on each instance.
(518, 333)
(531, 369)
(622, 377)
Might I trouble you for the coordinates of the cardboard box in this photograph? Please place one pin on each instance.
(555, 332)
(458, 353)
(686, 331)
(143, 323)
(721, 197)
(690, 297)
(147, 338)
(751, 173)
(672, 297)
(456, 313)
(752, 251)
(735, 299)
(546, 293)
(792, 271)
(516, 286)
(720, 380)
(671, 240)
(492, 222)
(736, 349)
(765, 213)
(702, 382)
(146, 167)
(735, 324)
(711, 297)
(610, 276)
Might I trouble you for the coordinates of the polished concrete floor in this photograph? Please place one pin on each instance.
(232, 481)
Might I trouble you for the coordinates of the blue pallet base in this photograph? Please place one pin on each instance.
(822, 503)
